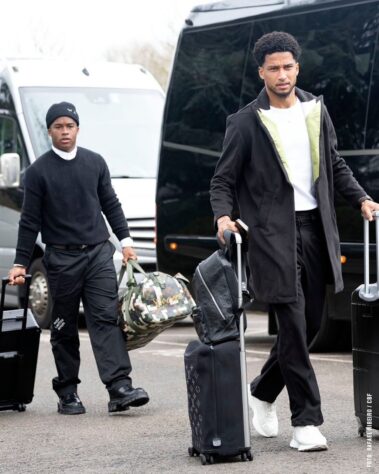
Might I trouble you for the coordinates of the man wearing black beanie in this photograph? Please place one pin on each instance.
(65, 193)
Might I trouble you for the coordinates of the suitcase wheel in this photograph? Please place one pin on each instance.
(203, 459)
(246, 455)
(192, 452)
(361, 429)
(206, 459)
(19, 407)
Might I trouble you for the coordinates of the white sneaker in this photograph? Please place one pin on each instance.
(308, 438)
(265, 420)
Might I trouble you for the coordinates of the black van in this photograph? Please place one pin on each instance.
(214, 75)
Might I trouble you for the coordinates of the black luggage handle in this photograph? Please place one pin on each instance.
(4, 283)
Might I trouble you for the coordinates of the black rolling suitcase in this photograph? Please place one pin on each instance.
(19, 343)
(217, 391)
(365, 339)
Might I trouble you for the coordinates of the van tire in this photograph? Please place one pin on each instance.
(40, 299)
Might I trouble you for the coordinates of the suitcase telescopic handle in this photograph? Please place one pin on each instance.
(231, 239)
(234, 239)
(367, 291)
(4, 283)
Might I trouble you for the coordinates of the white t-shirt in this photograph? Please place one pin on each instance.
(295, 140)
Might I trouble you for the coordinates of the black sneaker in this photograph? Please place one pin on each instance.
(126, 396)
(70, 404)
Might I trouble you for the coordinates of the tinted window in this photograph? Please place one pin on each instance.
(206, 85)
(113, 122)
(6, 101)
(338, 46)
(372, 133)
(10, 139)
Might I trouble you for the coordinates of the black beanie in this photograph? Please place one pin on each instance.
(63, 109)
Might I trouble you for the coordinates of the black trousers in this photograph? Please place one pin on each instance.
(289, 364)
(89, 275)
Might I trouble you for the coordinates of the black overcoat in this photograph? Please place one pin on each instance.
(252, 170)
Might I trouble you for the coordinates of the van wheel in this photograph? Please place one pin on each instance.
(40, 299)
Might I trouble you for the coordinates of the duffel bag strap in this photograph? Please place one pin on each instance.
(134, 263)
(129, 267)
(121, 274)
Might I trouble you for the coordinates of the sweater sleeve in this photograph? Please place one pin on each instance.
(110, 205)
(30, 220)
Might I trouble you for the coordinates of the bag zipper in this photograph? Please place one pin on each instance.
(209, 291)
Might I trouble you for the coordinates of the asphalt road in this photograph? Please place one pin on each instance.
(155, 438)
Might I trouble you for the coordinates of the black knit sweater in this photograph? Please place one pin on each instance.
(64, 199)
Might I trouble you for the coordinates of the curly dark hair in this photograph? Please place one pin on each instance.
(275, 42)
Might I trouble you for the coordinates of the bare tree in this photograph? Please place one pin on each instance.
(44, 40)
(155, 58)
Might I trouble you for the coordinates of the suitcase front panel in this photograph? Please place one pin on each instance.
(365, 338)
(214, 397)
(365, 324)
(18, 361)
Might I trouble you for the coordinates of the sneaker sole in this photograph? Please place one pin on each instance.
(307, 447)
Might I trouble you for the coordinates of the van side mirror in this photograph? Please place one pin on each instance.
(9, 170)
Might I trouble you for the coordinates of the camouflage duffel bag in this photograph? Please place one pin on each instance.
(154, 304)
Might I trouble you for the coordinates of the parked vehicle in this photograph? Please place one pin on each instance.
(120, 108)
(214, 75)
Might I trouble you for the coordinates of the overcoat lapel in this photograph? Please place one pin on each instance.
(313, 124)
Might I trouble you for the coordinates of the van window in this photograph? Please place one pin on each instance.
(206, 86)
(372, 132)
(6, 102)
(10, 139)
(123, 125)
(336, 62)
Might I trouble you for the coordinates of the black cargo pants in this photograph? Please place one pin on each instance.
(289, 364)
(89, 275)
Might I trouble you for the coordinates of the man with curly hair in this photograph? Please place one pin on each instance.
(279, 167)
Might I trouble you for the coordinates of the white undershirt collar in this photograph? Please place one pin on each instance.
(66, 155)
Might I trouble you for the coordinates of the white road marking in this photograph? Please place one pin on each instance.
(247, 333)
(331, 359)
(45, 337)
(264, 353)
(181, 344)
(163, 352)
